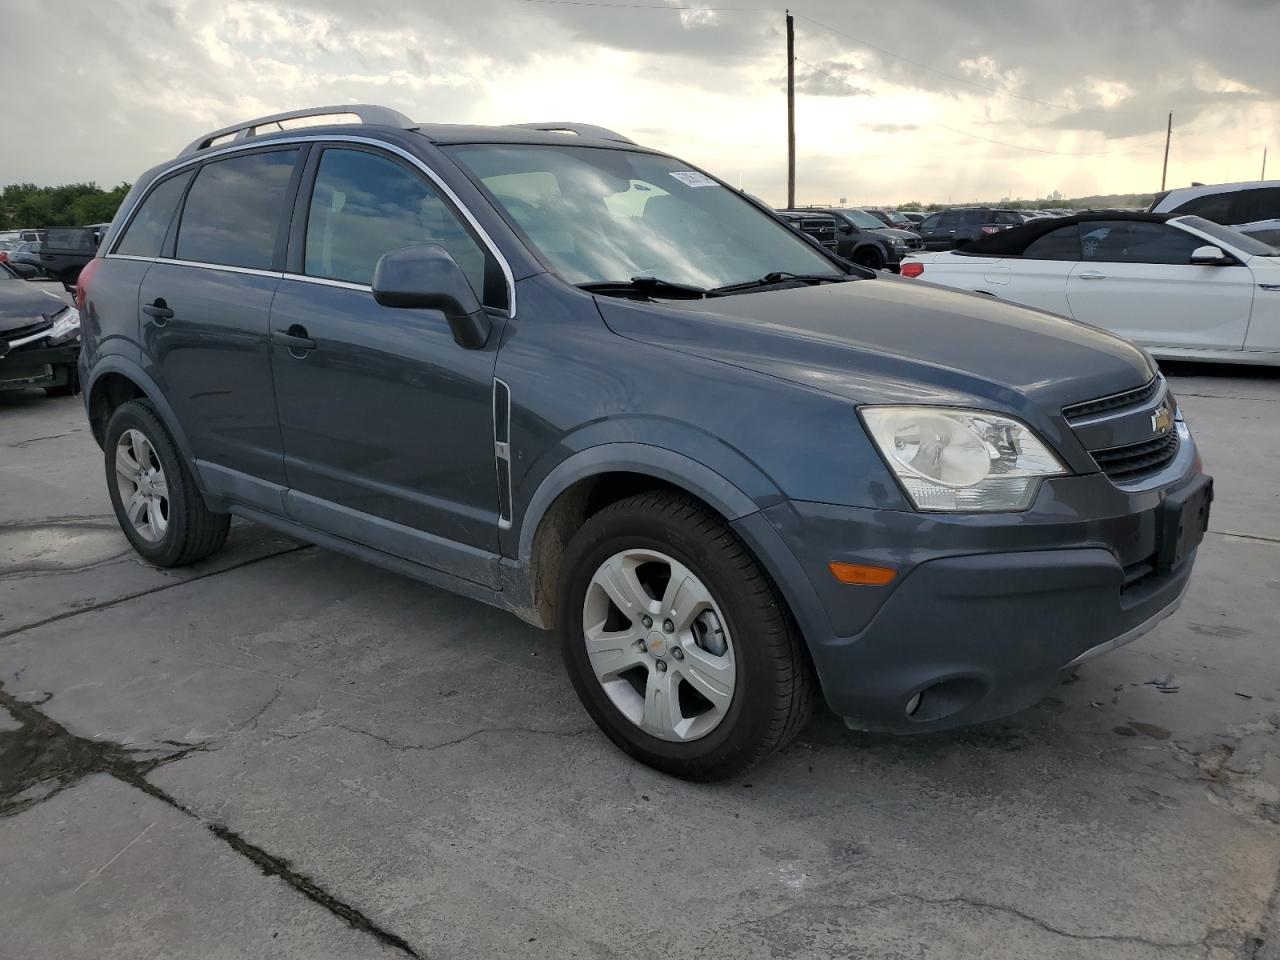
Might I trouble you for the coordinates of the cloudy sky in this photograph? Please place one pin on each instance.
(933, 100)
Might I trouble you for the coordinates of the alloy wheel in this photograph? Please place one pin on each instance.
(144, 492)
(658, 645)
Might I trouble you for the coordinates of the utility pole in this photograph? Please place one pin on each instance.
(1264, 164)
(1167, 137)
(791, 110)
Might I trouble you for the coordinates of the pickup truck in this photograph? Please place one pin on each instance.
(67, 249)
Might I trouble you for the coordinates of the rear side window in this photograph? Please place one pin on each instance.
(145, 234)
(364, 205)
(1060, 244)
(1253, 205)
(233, 210)
(976, 218)
(1007, 218)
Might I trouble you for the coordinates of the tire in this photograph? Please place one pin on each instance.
(762, 658)
(171, 529)
(67, 389)
(869, 257)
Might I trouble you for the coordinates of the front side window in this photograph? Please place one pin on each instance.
(234, 210)
(1127, 241)
(364, 205)
(146, 231)
(862, 219)
(1060, 244)
(1215, 207)
(596, 214)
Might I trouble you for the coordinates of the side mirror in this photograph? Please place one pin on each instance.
(425, 276)
(1210, 256)
(845, 228)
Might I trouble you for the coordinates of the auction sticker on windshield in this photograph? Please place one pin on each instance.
(692, 178)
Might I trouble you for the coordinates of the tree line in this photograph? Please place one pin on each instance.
(24, 205)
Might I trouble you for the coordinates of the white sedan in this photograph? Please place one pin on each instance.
(1185, 288)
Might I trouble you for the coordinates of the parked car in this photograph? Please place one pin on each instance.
(26, 256)
(66, 251)
(820, 226)
(914, 216)
(891, 218)
(1183, 287)
(39, 337)
(583, 381)
(1252, 207)
(960, 226)
(866, 241)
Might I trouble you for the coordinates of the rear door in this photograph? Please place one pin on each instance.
(1135, 278)
(387, 422)
(204, 322)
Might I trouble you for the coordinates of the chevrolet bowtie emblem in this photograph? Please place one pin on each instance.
(1161, 421)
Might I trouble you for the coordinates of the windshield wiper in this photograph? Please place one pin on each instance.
(654, 285)
(780, 276)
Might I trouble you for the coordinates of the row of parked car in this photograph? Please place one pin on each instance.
(57, 253)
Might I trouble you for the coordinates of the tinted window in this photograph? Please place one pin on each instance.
(1253, 205)
(364, 205)
(1007, 218)
(931, 222)
(145, 234)
(1060, 244)
(1215, 207)
(975, 218)
(948, 221)
(233, 211)
(1134, 242)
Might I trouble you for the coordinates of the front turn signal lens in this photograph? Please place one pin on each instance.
(861, 573)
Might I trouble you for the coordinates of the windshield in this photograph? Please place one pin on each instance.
(596, 214)
(860, 218)
(1243, 242)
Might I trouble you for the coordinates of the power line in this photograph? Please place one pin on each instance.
(934, 70)
(645, 6)
(974, 136)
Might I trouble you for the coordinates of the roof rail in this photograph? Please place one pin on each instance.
(368, 113)
(581, 129)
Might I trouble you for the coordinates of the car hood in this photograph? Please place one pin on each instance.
(22, 304)
(897, 232)
(893, 341)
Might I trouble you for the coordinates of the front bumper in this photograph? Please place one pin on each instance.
(39, 366)
(987, 612)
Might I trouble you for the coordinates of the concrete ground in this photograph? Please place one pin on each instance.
(284, 753)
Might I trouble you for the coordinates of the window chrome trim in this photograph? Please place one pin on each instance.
(326, 282)
(207, 155)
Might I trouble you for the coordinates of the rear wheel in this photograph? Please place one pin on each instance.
(676, 640)
(156, 500)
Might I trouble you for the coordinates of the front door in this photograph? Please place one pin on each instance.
(387, 423)
(1135, 278)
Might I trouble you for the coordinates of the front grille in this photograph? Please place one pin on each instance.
(1117, 401)
(1136, 461)
(29, 330)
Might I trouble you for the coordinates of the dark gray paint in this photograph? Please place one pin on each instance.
(384, 448)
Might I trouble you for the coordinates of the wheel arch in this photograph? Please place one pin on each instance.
(590, 480)
(117, 380)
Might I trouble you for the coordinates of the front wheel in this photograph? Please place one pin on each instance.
(869, 257)
(677, 642)
(156, 500)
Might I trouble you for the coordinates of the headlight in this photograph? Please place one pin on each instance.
(961, 460)
(66, 326)
(897, 243)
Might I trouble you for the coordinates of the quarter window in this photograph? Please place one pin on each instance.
(364, 205)
(1060, 244)
(146, 232)
(1136, 242)
(233, 211)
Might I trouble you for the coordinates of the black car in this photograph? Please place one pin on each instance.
(819, 226)
(26, 258)
(39, 337)
(733, 471)
(960, 226)
(866, 241)
(891, 218)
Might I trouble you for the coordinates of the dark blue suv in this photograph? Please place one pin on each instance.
(581, 380)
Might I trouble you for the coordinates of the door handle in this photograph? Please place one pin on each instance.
(158, 311)
(1092, 275)
(295, 339)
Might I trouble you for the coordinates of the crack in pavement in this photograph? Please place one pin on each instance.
(396, 745)
(42, 750)
(107, 604)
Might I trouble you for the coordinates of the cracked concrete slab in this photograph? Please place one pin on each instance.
(420, 762)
